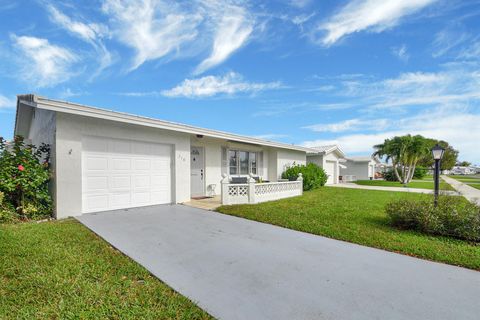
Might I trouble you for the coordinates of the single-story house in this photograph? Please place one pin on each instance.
(104, 160)
(360, 168)
(328, 158)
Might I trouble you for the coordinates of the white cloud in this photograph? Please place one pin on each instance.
(401, 53)
(43, 63)
(88, 32)
(447, 39)
(232, 32)
(456, 83)
(6, 103)
(300, 3)
(368, 15)
(154, 29)
(350, 125)
(459, 128)
(158, 29)
(208, 86)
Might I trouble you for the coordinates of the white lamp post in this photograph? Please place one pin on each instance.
(437, 153)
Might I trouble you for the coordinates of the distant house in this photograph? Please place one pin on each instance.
(460, 170)
(328, 158)
(360, 168)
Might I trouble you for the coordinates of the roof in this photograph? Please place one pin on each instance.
(360, 158)
(88, 111)
(327, 149)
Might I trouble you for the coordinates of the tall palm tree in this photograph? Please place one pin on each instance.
(404, 152)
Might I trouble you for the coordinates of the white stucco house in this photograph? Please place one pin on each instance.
(359, 168)
(328, 158)
(103, 160)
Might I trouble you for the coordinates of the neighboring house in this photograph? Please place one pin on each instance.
(460, 170)
(361, 168)
(328, 158)
(103, 160)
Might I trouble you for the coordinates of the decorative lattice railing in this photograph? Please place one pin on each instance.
(252, 192)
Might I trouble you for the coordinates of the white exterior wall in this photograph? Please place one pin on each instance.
(321, 160)
(71, 128)
(359, 169)
(42, 130)
(286, 158)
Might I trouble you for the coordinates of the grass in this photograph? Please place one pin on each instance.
(358, 216)
(413, 184)
(61, 270)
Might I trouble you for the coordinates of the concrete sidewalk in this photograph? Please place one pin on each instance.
(396, 189)
(470, 193)
(241, 269)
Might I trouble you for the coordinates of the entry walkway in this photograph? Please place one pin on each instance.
(470, 193)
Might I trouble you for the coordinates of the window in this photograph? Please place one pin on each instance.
(253, 162)
(233, 161)
(242, 162)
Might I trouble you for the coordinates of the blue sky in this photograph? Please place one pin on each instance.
(305, 72)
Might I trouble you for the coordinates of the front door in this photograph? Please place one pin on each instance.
(197, 172)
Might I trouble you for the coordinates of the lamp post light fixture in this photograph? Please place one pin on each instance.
(437, 153)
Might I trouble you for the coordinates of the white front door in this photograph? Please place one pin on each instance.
(197, 172)
(118, 174)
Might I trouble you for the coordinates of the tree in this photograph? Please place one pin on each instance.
(464, 164)
(449, 157)
(405, 152)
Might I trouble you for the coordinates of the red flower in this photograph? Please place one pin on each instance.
(21, 168)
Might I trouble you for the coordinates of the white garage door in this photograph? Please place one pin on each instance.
(119, 174)
(330, 167)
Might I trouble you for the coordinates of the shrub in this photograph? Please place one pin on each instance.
(420, 172)
(453, 217)
(389, 175)
(313, 176)
(7, 211)
(24, 177)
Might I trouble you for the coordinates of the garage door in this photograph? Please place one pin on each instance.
(330, 170)
(119, 174)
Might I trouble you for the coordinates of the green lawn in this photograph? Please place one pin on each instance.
(414, 184)
(61, 270)
(358, 216)
(471, 180)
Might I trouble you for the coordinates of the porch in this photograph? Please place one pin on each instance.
(256, 192)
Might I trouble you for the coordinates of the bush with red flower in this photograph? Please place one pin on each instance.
(24, 179)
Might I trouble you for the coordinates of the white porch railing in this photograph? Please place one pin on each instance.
(252, 192)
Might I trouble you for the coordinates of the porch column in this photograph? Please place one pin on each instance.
(225, 182)
(251, 189)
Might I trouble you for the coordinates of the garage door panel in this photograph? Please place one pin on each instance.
(141, 182)
(96, 202)
(121, 164)
(141, 198)
(96, 163)
(96, 183)
(120, 200)
(123, 174)
(120, 183)
(142, 164)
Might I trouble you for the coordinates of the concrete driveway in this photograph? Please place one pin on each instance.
(240, 269)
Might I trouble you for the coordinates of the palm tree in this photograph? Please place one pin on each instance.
(404, 152)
